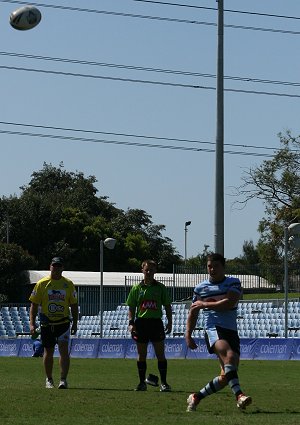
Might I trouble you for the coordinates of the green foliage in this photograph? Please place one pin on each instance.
(137, 247)
(13, 261)
(101, 393)
(277, 183)
(198, 261)
(63, 187)
(60, 213)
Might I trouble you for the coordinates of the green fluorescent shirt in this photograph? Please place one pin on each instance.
(147, 300)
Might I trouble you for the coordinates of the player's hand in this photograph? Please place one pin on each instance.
(197, 305)
(134, 334)
(32, 329)
(168, 328)
(73, 329)
(190, 342)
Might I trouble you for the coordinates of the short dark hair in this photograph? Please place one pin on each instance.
(149, 262)
(216, 257)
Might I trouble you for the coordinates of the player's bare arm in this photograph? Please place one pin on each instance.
(227, 303)
(33, 313)
(190, 326)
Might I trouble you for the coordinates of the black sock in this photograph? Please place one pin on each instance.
(142, 367)
(162, 367)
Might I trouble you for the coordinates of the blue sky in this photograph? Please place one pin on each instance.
(173, 185)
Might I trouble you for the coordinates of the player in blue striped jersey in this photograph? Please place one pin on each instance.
(218, 297)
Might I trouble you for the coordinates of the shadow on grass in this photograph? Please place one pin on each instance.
(270, 412)
(123, 390)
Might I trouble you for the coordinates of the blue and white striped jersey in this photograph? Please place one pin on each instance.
(207, 290)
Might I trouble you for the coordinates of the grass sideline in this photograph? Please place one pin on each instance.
(101, 392)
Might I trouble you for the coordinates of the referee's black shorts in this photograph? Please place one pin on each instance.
(149, 330)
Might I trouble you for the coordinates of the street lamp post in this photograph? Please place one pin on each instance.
(292, 237)
(187, 223)
(110, 244)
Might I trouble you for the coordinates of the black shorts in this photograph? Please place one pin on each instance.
(51, 333)
(149, 330)
(214, 334)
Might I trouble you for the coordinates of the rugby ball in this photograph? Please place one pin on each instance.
(25, 18)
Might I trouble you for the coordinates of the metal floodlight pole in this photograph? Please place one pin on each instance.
(293, 231)
(219, 163)
(101, 288)
(286, 279)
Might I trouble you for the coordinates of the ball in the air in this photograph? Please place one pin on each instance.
(25, 18)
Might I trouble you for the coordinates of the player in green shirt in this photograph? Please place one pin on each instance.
(146, 301)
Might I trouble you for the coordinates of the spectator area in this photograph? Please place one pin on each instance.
(255, 320)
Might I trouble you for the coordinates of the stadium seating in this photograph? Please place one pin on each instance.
(255, 320)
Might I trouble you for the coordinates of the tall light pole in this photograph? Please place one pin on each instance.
(292, 237)
(286, 280)
(187, 223)
(110, 244)
(219, 164)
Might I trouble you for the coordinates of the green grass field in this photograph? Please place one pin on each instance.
(101, 392)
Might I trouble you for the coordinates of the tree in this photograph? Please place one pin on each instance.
(137, 247)
(13, 261)
(60, 213)
(139, 223)
(197, 263)
(277, 183)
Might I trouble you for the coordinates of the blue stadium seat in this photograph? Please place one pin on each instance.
(24, 314)
(26, 328)
(4, 309)
(9, 327)
(19, 329)
(5, 314)
(14, 308)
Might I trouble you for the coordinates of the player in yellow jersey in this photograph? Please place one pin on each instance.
(54, 296)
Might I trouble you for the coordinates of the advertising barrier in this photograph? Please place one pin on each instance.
(296, 349)
(200, 352)
(131, 351)
(84, 348)
(275, 349)
(9, 347)
(25, 347)
(112, 348)
(175, 348)
(247, 348)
